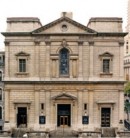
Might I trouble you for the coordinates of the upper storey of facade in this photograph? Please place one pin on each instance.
(64, 50)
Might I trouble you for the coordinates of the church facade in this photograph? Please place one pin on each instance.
(64, 73)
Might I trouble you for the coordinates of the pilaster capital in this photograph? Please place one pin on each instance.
(7, 43)
(91, 43)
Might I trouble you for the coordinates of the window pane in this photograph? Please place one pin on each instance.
(22, 65)
(64, 62)
(106, 65)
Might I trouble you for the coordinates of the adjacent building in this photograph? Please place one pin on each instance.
(2, 65)
(127, 47)
(64, 73)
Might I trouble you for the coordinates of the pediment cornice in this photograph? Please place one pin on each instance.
(64, 96)
(85, 28)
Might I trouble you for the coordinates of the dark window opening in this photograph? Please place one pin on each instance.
(64, 62)
(42, 106)
(22, 65)
(85, 106)
(0, 112)
(106, 65)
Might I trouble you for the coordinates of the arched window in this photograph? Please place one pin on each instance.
(0, 94)
(0, 112)
(64, 62)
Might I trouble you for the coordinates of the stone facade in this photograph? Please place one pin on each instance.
(64, 73)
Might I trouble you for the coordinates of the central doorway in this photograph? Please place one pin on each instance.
(22, 116)
(105, 117)
(63, 115)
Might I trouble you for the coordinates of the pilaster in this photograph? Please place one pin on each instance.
(91, 44)
(91, 108)
(48, 108)
(80, 60)
(37, 109)
(7, 110)
(48, 60)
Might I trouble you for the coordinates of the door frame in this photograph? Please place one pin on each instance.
(26, 115)
(64, 115)
(101, 115)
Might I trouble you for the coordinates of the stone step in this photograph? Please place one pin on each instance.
(63, 132)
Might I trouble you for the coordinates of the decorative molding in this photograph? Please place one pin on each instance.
(106, 54)
(100, 104)
(16, 103)
(64, 43)
(22, 54)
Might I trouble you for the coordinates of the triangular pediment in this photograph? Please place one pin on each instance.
(21, 53)
(64, 96)
(106, 54)
(63, 25)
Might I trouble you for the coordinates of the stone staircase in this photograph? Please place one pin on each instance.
(63, 133)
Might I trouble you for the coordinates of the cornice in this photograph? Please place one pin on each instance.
(122, 34)
(118, 34)
(16, 33)
(64, 82)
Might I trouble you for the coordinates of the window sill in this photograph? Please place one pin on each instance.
(103, 74)
(64, 76)
(22, 74)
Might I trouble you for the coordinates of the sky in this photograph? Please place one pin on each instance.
(50, 10)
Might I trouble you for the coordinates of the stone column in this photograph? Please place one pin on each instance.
(7, 110)
(91, 109)
(37, 104)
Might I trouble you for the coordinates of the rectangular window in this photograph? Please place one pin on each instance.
(106, 65)
(42, 106)
(85, 106)
(22, 65)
